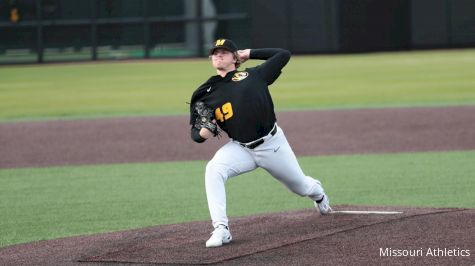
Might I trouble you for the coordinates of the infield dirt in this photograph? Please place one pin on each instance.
(154, 139)
(289, 238)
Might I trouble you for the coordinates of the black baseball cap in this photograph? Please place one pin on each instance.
(223, 44)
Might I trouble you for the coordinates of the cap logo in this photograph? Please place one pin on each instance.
(220, 42)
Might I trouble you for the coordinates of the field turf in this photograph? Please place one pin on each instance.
(46, 203)
(308, 82)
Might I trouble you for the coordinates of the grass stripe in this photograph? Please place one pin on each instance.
(47, 203)
(163, 87)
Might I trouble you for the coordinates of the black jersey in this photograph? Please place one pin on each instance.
(241, 100)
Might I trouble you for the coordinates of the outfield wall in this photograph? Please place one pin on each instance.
(68, 30)
(333, 26)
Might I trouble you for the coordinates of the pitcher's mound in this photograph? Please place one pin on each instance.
(351, 236)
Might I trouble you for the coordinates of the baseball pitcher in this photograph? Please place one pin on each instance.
(239, 103)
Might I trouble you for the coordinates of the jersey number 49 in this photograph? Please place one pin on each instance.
(224, 112)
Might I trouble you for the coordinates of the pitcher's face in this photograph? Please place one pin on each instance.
(223, 59)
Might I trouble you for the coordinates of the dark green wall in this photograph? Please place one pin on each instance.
(328, 26)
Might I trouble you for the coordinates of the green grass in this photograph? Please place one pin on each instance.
(46, 203)
(308, 82)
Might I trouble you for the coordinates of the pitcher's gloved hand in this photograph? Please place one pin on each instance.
(205, 118)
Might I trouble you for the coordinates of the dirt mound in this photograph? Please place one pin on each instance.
(153, 139)
(289, 238)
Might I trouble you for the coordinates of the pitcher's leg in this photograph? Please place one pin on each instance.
(230, 160)
(280, 161)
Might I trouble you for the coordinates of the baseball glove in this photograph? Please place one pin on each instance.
(204, 118)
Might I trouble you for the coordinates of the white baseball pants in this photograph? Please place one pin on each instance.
(275, 156)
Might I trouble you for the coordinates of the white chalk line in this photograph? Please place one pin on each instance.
(368, 212)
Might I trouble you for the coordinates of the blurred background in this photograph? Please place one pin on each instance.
(37, 31)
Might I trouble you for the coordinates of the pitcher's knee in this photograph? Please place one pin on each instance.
(215, 171)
